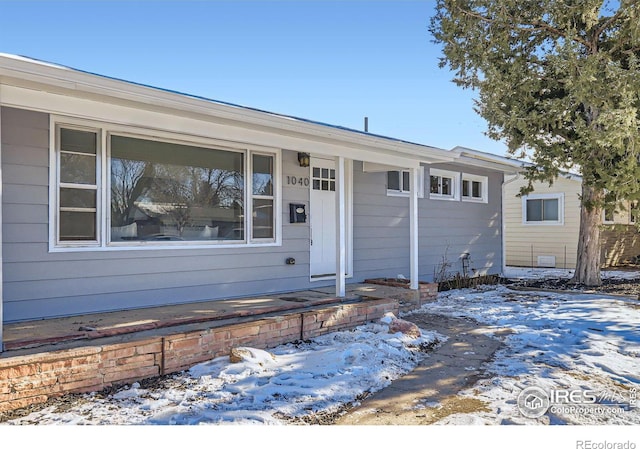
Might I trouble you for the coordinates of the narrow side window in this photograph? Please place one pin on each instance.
(262, 193)
(77, 186)
(399, 183)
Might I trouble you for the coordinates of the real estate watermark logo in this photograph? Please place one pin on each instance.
(534, 402)
(589, 444)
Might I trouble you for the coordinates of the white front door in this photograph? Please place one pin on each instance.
(322, 217)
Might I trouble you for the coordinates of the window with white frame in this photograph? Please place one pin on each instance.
(263, 219)
(543, 209)
(474, 188)
(159, 192)
(77, 187)
(443, 184)
(399, 183)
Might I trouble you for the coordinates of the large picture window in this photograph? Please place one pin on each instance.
(167, 191)
(160, 192)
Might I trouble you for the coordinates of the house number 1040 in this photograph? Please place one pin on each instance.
(292, 180)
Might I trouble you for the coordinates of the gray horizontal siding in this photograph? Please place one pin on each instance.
(23, 174)
(89, 285)
(97, 269)
(32, 252)
(151, 297)
(25, 213)
(380, 228)
(22, 232)
(40, 284)
(24, 155)
(25, 194)
(447, 229)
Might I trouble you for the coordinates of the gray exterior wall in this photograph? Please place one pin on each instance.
(42, 284)
(447, 229)
(38, 283)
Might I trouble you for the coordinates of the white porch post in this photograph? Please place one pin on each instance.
(413, 227)
(341, 228)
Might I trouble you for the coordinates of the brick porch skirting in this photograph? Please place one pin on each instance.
(35, 378)
(410, 299)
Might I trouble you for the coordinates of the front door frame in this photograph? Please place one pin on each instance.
(348, 202)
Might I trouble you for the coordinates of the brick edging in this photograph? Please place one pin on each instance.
(413, 299)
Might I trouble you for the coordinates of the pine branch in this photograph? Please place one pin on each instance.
(530, 27)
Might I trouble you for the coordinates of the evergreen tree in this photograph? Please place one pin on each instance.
(559, 82)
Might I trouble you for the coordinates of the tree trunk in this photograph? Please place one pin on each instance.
(588, 260)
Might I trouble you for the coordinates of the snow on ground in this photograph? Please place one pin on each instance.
(293, 380)
(580, 344)
(559, 273)
(583, 345)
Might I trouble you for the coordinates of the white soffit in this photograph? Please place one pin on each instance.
(373, 167)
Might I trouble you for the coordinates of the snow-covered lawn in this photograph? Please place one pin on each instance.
(583, 345)
(292, 380)
(589, 344)
(560, 273)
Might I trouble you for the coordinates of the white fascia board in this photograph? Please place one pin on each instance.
(506, 165)
(77, 83)
(489, 165)
(372, 167)
(468, 156)
(173, 125)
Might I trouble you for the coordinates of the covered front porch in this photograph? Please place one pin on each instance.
(57, 356)
(55, 333)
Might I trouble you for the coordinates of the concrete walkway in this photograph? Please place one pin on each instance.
(429, 392)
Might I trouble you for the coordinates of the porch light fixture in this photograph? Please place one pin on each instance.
(303, 159)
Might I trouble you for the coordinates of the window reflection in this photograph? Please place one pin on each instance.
(167, 191)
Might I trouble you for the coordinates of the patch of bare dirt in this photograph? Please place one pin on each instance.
(71, 400)
(321, 418)
(451, 406)
(61, 404)
(617, 286)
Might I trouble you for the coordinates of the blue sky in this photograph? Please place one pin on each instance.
(330, 61)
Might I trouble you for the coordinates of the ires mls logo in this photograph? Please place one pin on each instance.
(573, 396)
(534, 402)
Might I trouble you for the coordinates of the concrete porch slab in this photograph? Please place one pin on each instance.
(39, 333)
(44, 359)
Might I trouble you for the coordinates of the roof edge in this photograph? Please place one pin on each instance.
(83, 81)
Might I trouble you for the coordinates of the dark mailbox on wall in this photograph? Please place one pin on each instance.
(297, 213)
